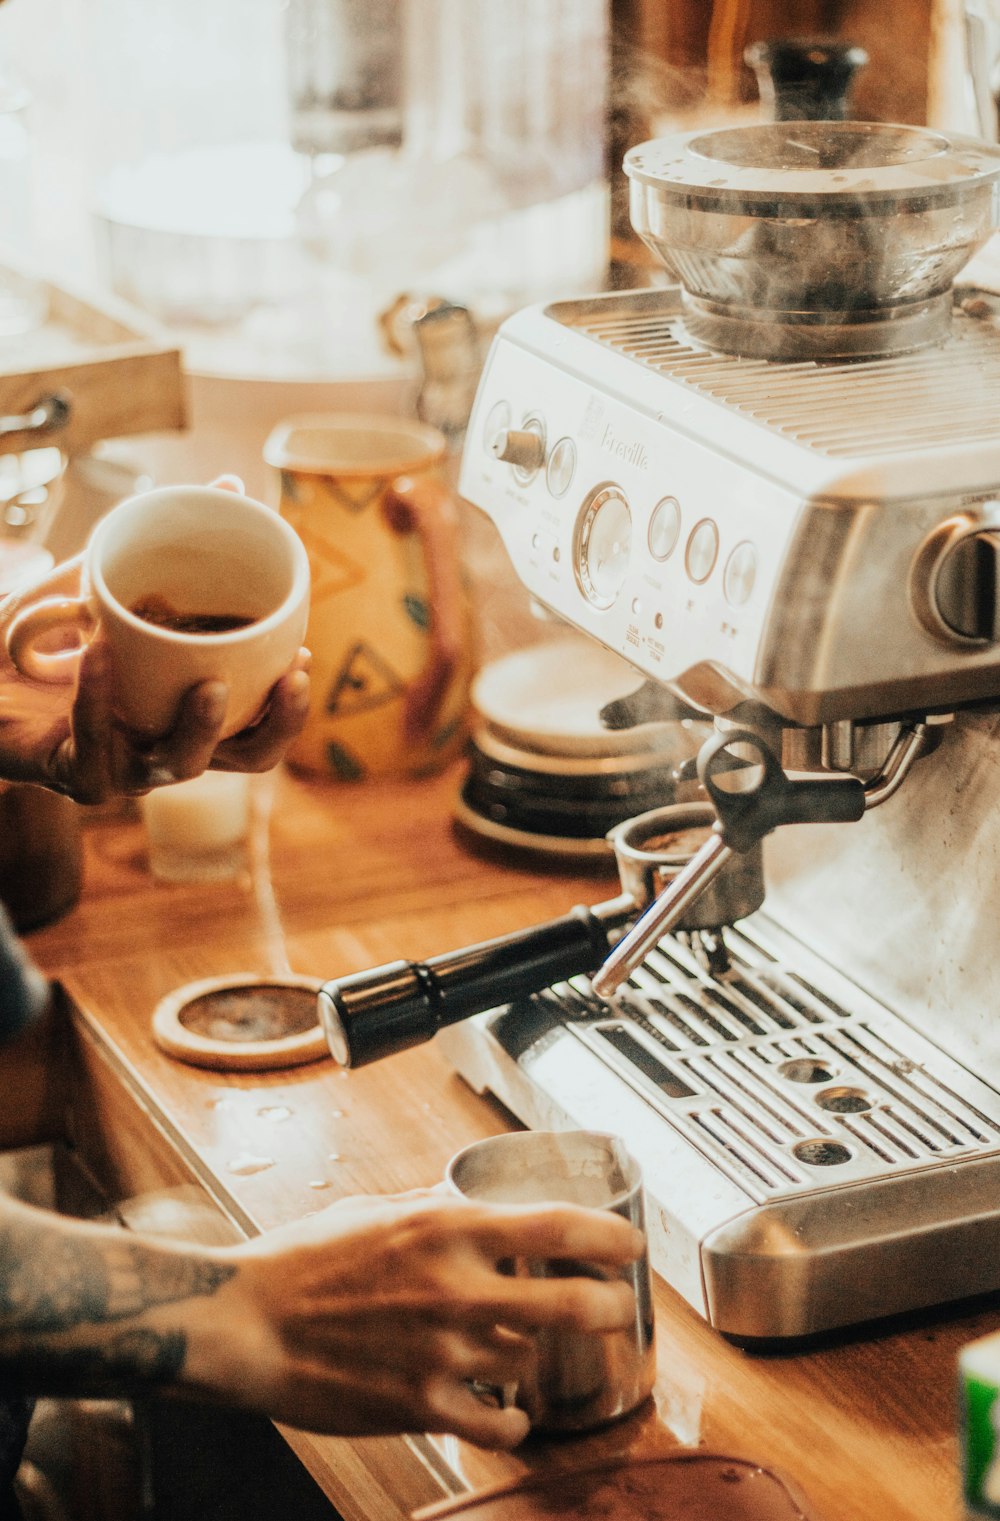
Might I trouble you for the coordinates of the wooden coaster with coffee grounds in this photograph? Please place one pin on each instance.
(242, 1023)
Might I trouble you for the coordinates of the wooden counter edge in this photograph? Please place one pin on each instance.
(134, 1158)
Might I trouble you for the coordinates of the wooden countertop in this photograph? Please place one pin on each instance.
(363, 874)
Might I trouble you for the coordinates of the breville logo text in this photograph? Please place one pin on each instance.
(632, 454)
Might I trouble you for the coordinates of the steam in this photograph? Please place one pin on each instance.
(650, 98)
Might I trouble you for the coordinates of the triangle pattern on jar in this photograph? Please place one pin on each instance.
(331, 570)
(365, 681)
(355, 495)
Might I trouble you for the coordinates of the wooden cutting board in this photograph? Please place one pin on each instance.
(117, 373)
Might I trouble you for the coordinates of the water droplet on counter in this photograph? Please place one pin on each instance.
(245, 1165)
(275, 1113)
(319, 1183)
(333, 1156)
(336, 1114)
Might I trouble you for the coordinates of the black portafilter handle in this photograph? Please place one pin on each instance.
(372, 1014)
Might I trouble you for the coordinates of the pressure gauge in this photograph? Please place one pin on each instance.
(603, 545)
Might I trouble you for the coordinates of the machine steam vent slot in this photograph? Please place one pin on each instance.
(645, 1061)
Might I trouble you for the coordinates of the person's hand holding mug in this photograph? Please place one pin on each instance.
(135, 705)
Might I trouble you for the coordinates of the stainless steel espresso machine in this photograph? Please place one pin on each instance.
(774, 487)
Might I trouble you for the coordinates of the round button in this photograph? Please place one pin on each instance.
(497, 421)
(740, 574)
(664, 528)
(702, 550)
(603, 546)
(559, 470)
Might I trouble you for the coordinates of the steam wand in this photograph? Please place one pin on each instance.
(750, 801)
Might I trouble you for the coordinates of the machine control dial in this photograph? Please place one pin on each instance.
(955, 585)
(603, 545)
(524, 448)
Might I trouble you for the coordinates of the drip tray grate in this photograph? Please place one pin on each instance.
(786, 1080)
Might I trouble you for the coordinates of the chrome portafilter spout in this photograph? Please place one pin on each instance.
(654, 848)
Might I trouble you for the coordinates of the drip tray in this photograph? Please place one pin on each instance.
(810, 1160)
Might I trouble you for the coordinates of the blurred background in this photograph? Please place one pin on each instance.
(269, 176)
(330, 204)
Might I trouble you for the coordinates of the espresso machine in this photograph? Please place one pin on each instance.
(773, 486)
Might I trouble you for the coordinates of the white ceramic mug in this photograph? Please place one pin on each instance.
(184, 554)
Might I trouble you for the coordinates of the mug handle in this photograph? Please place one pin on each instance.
(40, 618)
(426, 507)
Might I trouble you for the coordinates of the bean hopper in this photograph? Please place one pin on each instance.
(774, 487)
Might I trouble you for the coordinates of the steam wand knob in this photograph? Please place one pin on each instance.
(520, 447)
(751, 799)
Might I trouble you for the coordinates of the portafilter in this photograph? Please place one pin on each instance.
(714, 846)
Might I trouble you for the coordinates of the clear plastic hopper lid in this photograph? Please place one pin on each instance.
(846, 162)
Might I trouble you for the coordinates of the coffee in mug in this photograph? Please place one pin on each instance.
(161, 612)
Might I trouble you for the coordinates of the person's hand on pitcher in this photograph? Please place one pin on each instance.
(386, 1313)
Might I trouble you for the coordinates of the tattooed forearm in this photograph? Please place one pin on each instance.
(122, 1365)
(67, 1295)
(50, 1281)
